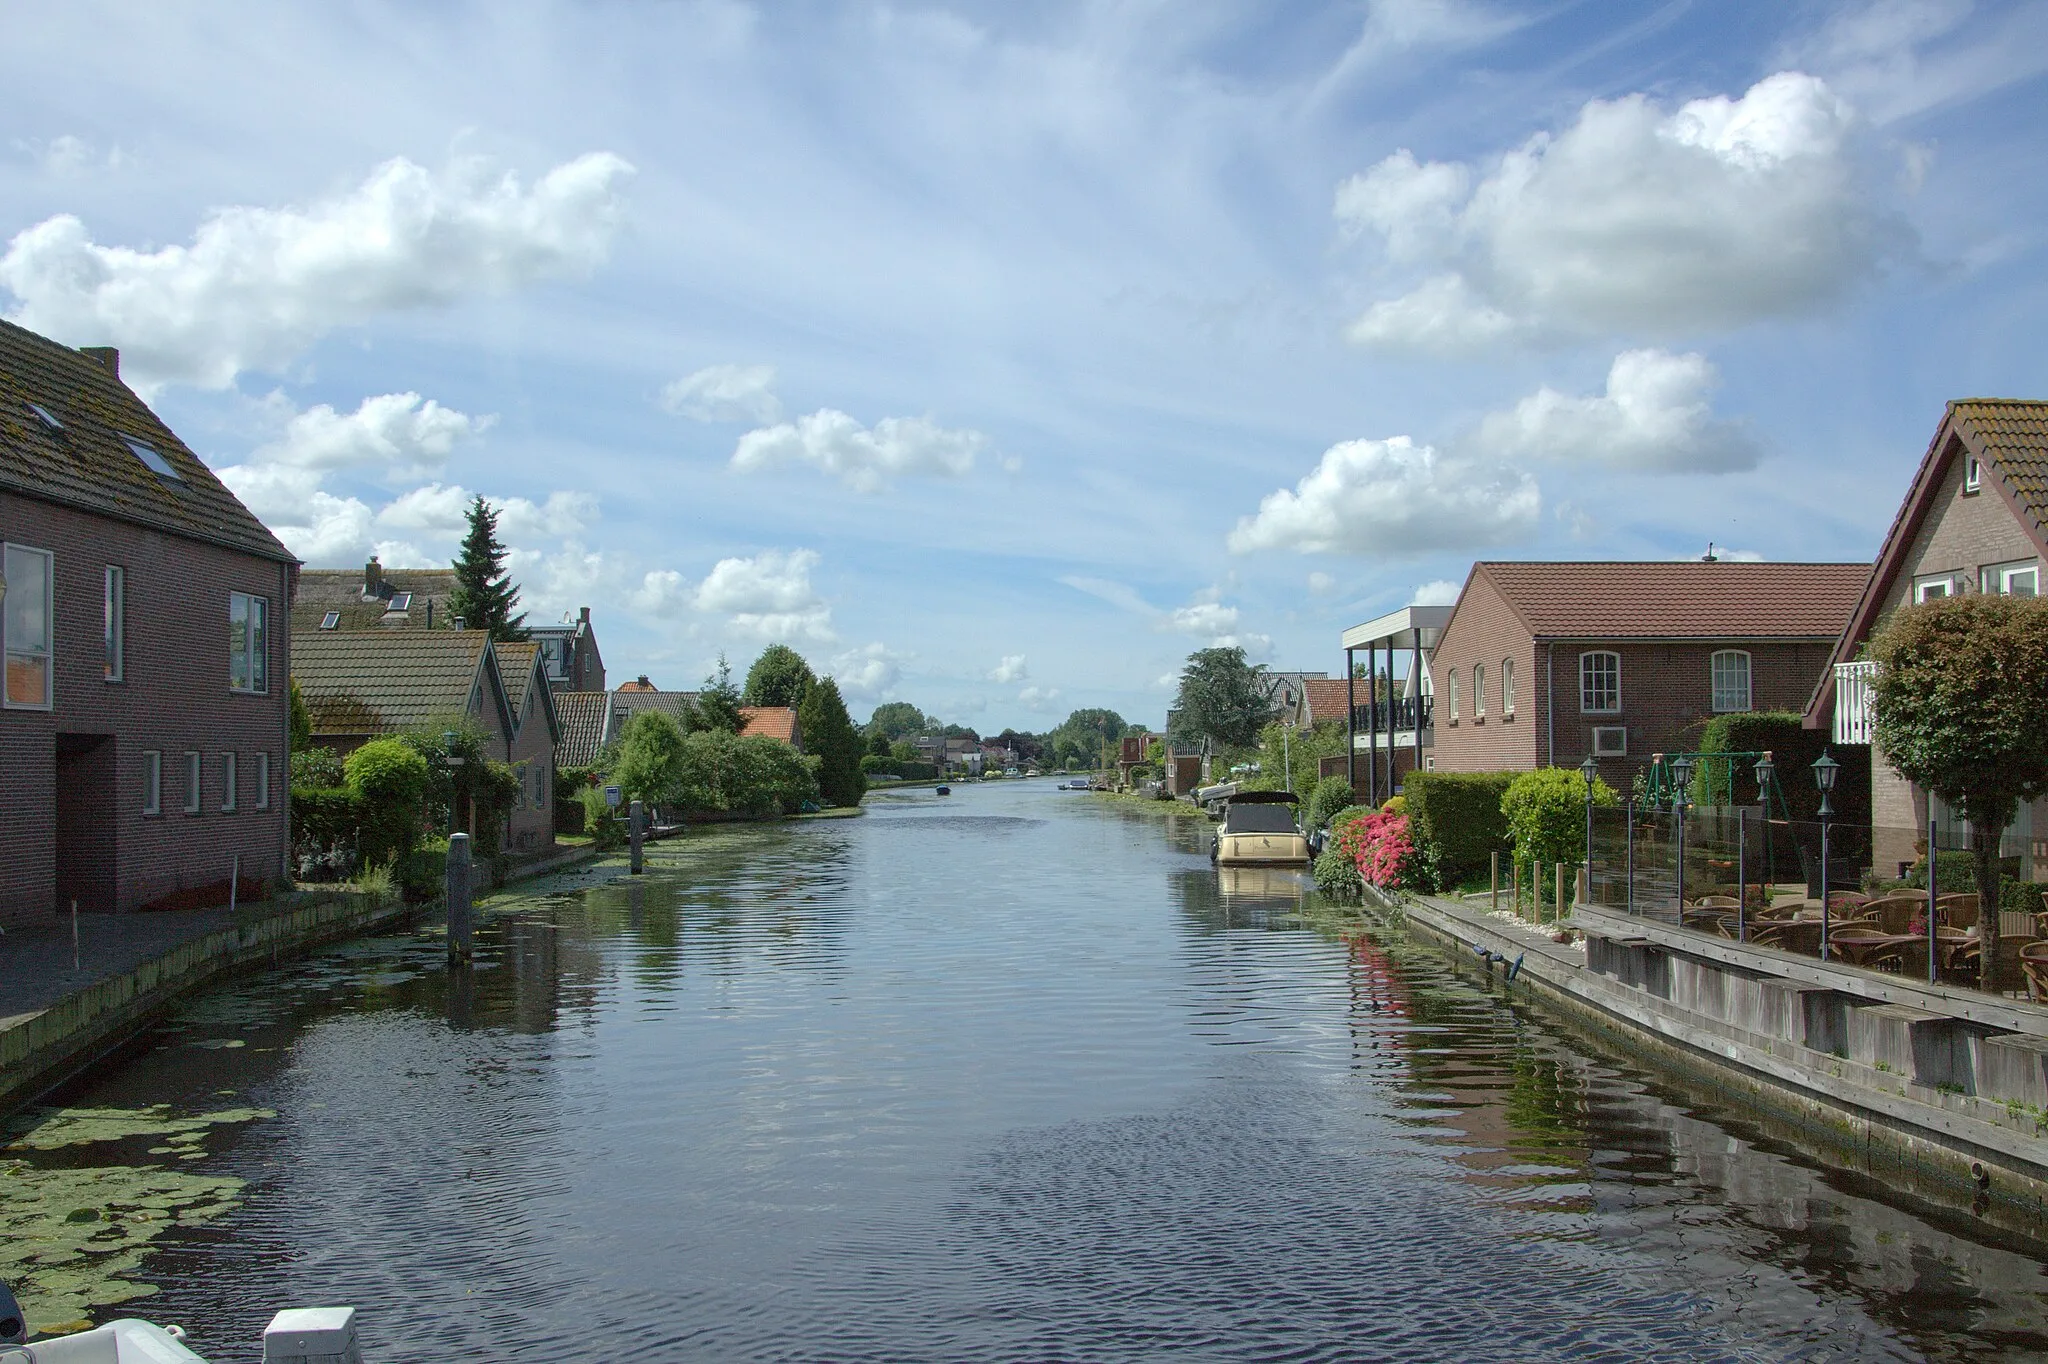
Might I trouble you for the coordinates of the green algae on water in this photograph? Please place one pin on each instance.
(52, 1129)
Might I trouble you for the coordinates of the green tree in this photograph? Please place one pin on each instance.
(879, 745)
(1304, 748)
(718, 705)
(1221, 699)
(389, 783)
(1958, 710)
(650, 762)
(1546, 814)
(779, 677)
(485, 594)
(829, 735)
(301, 721)
(899, 720)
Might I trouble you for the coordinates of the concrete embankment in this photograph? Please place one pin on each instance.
(1935, 1091)
(57, 1018)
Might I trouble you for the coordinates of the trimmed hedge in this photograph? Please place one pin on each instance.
(2023, 897)
(323, 816)
(874, 765)
(1793, 749)
(1458, 815)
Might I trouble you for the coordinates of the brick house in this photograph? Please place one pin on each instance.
(1975, 519)
(570, 650)
(362, 684)
(1541, 664)
(144, 744)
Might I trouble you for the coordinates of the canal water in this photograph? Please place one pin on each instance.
(1010, 1075)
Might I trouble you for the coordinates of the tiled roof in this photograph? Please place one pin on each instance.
(2014, 434)
(628, 702)
(1683, 600)
(340, 590)
(86, 464)
(641, 685)
(773, 722)
(582, 715)
(378, 681)
(515, 665)
(1325, 699)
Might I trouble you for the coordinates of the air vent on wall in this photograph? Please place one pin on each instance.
(1610, 741)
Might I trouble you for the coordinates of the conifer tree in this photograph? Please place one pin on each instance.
(718, 705)
(830, 737)
(485, 594)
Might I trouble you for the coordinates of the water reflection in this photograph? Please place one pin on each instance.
(1011, 1075)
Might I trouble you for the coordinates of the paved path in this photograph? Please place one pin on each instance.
(37, 967)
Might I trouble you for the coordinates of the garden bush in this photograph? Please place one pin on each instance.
(1793, 749)
(317, 767)
(1955, 872)
(1457, 820)
(2022, 897)
(389, 782)
(1336, 866)
(1385, 850)
(1332, 794)
(422, 874)
(569, 814)
(323, 832)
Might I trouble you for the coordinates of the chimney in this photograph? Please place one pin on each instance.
(461, 624)
(107, 358)
(373, 578)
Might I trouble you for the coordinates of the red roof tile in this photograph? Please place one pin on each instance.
(774, 722)
(1682, 600)
(1326, 698)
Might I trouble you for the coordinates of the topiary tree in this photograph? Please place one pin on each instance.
(1546, 813)
(779, 677)
(389, 783)
(1958, 711)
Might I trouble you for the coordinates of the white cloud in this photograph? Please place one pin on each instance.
(563, 514)
(725, 393)
(393, 430)
(1898, 58)
(319, 527)
(1202, 618)
(1723, 212)
(768, 596)
(870, 672)
(432, 507)
(1039, 698)
(662, 594)
(1011, 669)
(1655, 416)
(1321, 584)
(1116, 594)
(1392, 497)
(1436, 592)
(68, 157)
(258, 285)
(865, 458)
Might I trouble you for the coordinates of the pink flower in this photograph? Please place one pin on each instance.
(1380, 847)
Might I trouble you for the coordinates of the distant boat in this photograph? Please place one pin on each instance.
(945, 790)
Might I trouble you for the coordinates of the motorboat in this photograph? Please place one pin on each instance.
(1258, 830)
(945, 791)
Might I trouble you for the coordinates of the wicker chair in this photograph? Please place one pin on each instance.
(2034, 966)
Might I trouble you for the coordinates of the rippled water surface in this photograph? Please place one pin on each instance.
(1013, 1075)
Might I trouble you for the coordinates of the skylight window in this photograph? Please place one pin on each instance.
(158, 465)
(330, 620)
(48, 417)
(401, 602)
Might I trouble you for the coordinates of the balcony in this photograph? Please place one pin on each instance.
(1855, 689)
(1395, 716)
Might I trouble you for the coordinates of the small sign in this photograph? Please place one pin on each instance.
(612, 796)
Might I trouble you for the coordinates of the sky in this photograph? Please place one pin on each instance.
(995, 356)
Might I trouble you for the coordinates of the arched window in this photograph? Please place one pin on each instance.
(1599, 683)
(1507, 686)
(1479, 691)
(1730, 668)
(1451, 690)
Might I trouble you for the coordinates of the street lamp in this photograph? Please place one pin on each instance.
(1590, 770)
(1766, 773)
(1681, 777)
(1825, 770)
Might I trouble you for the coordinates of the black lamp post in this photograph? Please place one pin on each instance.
(1825, 770)
(1681, 797)
(1766, 773)
(1590, 770)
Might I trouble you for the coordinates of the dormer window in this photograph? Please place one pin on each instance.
(155, 462)
(330, 620)
(1973, 475)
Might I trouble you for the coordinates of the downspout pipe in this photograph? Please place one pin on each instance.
(1550, 698)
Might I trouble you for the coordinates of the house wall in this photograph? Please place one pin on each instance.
(174, 698)
(531, 823)
(1485, 630)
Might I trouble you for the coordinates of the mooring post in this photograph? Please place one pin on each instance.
(1558, 916)
(1496, 881)
(455, 886)
(636, 819)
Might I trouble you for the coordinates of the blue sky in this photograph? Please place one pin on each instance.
(997, 356)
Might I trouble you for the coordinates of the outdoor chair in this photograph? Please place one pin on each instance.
(1895, 913)
(1862, 945)
(2034, 966)
(1724, 901)
(1957, 911)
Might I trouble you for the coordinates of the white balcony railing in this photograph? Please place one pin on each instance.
(1854, 690)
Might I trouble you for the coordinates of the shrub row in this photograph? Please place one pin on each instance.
(1458, 819)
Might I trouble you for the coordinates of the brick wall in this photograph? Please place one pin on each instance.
(532, 825)
(174, 698)
(1486, 631)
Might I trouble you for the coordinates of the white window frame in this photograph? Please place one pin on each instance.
(1618, 741)
(1507, 687)
(263, 780)
(194, 777)
(152, 782)
(1934, 587)
(12, 649)
(1451, 688)
(1973, 474)
(1479, 691)
(1586, 692)
(230, 772)
(249, 642)
(331, 620)
(1997, 578)
(117, 623)
(1724, 706)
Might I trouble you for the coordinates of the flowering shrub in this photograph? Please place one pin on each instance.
(1385, 851)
